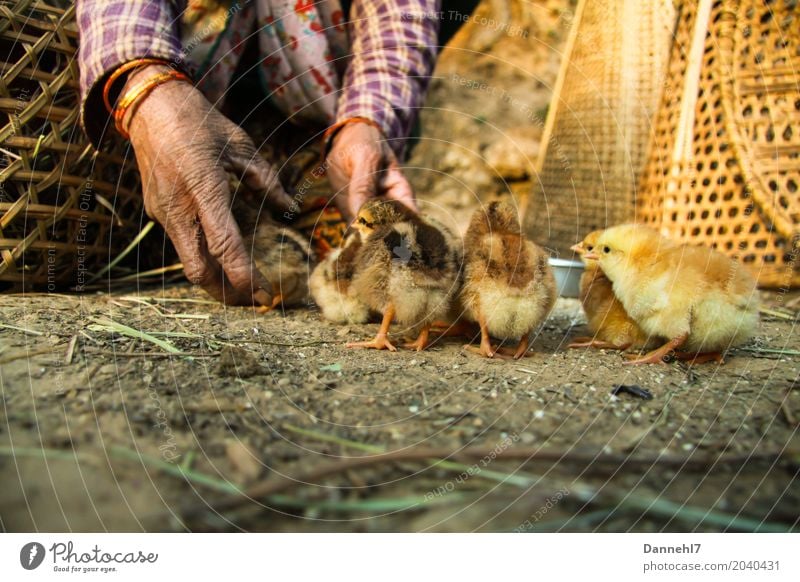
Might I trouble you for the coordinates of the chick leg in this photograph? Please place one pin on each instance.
(588, 342)
(486, 350)
(657, 355)
(421, 342)
(522, 347)
(381, 341)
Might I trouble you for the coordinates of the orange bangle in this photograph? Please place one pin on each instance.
(121, 70)
(134, 96)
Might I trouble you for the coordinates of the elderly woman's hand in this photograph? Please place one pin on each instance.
(184, 147)
(362, 165)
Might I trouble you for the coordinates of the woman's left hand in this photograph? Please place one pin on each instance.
(361, 165)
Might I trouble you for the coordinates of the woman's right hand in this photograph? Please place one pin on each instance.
(184, 148)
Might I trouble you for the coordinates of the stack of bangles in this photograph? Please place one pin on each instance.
(130, 100)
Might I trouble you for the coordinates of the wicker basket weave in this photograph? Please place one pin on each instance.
(724, 167)
(595, 139)
(64, 209)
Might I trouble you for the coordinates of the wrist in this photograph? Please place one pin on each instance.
(139, 88)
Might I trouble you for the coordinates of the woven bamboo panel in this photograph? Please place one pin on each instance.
(724, 167)
(596, 135)
(64, 209)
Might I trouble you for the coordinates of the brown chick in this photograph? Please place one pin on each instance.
(509, 288)
(282, 254)
(607, 319)
(407, 270)
(331, 283)
(284, 257)
(694, 298)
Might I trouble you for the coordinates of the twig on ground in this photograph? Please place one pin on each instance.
(108, 325)
(134, 243)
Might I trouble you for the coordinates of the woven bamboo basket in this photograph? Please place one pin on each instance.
(65, 210)
(594, 145)
(724, 164)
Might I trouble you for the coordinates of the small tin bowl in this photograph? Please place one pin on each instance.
(568, 276)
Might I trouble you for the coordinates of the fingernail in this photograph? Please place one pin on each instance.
(263, 297)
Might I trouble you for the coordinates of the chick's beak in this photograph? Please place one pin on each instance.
(577, 248)
(592, 256)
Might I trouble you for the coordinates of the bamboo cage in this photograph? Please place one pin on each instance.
(65, 210)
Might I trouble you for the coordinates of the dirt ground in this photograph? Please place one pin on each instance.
(258, 397)
(102, 429)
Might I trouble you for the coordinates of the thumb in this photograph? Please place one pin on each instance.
(363, 183)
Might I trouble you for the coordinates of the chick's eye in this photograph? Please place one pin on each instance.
(606, 250)
(590, 248)
(361, 220)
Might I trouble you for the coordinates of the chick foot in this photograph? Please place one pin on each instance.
(487, 350)
(588, 342)
(421, 342)
(381, 341)
(658, 355)
(277, 299)
(521, 351)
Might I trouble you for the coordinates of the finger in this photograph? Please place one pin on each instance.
(394, 185)
(226, 247)
(260, 176)
(200, 268)
(363, 182)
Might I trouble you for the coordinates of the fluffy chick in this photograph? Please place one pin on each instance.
(407, 269)
(331, 283)
(607, 319)
(284, 257)
(698, 300)
(509, 288)
(281, 253)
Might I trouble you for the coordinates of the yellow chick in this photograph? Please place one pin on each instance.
(407, 270)
(698, 300)
(331, 283)
(284, 257)
(607, 319)
(509, 288)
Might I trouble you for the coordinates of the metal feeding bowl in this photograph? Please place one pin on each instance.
(568, 276)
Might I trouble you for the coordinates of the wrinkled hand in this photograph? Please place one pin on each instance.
(362, 165)
(184, 147)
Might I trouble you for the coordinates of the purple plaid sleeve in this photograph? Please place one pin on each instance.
(113, 32)
(393, 47)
